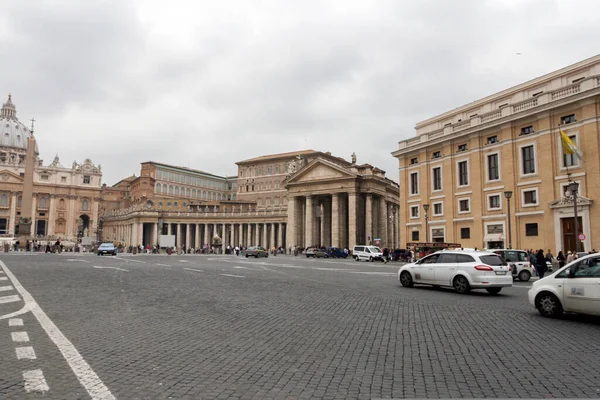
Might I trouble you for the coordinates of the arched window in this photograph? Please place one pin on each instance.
(19, 201)
(176, 190)
(43, 202)
(61, 204)
(164, 188)
(204, 194)
(228, 197)
(158, 187)
(194, 193)
(84, 205)
(170, 189)
(187, 192)
(3, 200)
(214, 196)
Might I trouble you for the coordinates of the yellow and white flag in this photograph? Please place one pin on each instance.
(569, 146)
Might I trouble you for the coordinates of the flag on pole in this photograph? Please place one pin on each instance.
(569, 146)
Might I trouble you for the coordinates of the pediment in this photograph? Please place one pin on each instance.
(568, 202)
(320, 170)
(10, 177)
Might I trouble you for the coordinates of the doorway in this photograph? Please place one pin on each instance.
(495, 245)
(568, 229)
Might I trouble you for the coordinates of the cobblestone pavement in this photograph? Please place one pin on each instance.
(225, 327)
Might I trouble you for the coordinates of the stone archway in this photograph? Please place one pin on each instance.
(83, 226)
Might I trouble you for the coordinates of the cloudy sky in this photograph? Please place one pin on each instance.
(204, 84)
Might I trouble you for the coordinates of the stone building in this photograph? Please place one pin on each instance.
(65, 200)
(319, 191)
(464, 163)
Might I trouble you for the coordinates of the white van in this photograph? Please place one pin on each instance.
(367, 253)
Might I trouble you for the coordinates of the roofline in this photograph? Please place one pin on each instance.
(186, 169)
(277, 156)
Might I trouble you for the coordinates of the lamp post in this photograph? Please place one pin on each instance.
(426, 208)
(508, 194)
(573, 188)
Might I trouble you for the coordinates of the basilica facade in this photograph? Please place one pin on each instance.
(65, 199)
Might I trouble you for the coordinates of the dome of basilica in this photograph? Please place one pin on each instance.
(13, 134)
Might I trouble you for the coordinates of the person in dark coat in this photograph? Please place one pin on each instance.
(541, 266)
(561, 259)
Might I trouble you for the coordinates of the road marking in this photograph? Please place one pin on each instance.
(183, 261)
(332, 269)
(241, 268)
(9, 299)
(192, 269)
(25, 353)
(6, 288)
(3, 278)
(163, 265)
(234, 276)
(86, 376)
(125, 259)
(35, 381)
(19, 336)
(373, 273)
(15, 322)
(120, 269)
(74, 259)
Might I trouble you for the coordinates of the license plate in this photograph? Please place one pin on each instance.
(500, 272)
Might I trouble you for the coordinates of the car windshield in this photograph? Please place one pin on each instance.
(105, 245)
(374, 249)
(493, 260)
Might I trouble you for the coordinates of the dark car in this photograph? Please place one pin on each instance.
(255, 251)
(316, 253)
(107, 248)
(336, 252)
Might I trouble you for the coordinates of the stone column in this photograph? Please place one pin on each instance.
(13, 213)
(322, 222)
(248, 235)
(206, 232)
(140, 235)
(133, 235)
(71, 217)
(196, 236)
(51, 216)
(178, 238)
(310, 216)
(33, 214)
(369, 219)
(383, 222)
(169, 228)
(257, 236)
(266, 236)
(291, 237)
(327, 224)
(154, 235)
(335, 220)
(351, 220)
(240, 236)
(279, 235)
(188, 242)
(225, 237)
(95, 215)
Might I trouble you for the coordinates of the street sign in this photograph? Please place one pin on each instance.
(581, 236)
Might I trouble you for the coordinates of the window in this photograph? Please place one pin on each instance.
(176, 190)
(436, 154)
(44, 177)
(86, 179)
(527, 130)
(84, 205)
(437, 178)
(438, 208)
(19, 201)
(414, 212)
(63, 179)
(170, 189)
(495, 229)
(567, 119)
(531, 229)
(528, 159)
(570, 160)
(414, 183)
(168, 204)
(414, 161)
(3, 200)
(415, 236)
(43, 202)
(493, 170)
(464, 258)
(463, 173)
(157, 188)
(465, 233)
(462, 147)
(464, 205)
(530, 197)
(494, 201)
(438, 235)
(492, 139)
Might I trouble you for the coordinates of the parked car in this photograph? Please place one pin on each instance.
(107, 248)
(367, 253)
(519, 263)
(316, 253)
(256, 252)
(462, 270)
(336, 252)
(573, 288)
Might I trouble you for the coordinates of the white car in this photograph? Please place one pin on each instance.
(462, 270)
(519, 263)
(573, 288)
(367, 253)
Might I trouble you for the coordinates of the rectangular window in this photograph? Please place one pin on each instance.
(438, 209)
(528, 159)
(462, 147)
(527, 130)
(568, 119)
(495, 229)
(63, 179)
(463, 173)
(414, 212)
(414, 183)
(415, 236)
(570, 160)
(437, 178)
(414, 161)
(44, 177)
(494, 201)
(465, 233)
(86, 179)
(492, 139)
(530, 197)
(436, 154)
(464, 206)
(493, 171)
(531, 229)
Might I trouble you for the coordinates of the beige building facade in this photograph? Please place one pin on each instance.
(65, 200)
(462, 165)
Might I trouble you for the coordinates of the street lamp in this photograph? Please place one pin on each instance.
(573, 187)
(426, 208)
(508, 194)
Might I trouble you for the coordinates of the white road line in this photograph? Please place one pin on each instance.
(332, 269)
(35, 381)
(3, 278)
(15, 322)
(192, 269)
(183, 261)
(374, 273)
(6, 288)
(86, 376)
(9, 299)
(163, 265)
(120, 269)
(25, 353)
(127, 260)
(233, 276)
(19, 336)
(241, 268)
(74, 259)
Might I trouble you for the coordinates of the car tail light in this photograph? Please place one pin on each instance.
(483, 268)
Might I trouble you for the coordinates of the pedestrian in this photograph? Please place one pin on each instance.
(561, 259)
(549, 256)
(570, 257)
(386, 253)
(541, 263)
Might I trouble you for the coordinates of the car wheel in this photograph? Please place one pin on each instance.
(406, 279)
(267, 256)
(461, 285)
(548, 305)
(524, 276)
(247, 256)
(371, 259)
(493, 290)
